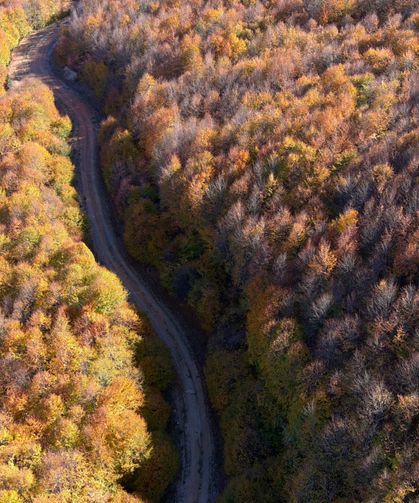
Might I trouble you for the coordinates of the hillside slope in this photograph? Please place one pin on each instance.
(263, 157)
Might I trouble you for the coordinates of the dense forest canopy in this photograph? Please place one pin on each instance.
(81, 375)
(263, 156)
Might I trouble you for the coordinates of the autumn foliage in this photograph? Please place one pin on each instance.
(263, 156)
(74, 407)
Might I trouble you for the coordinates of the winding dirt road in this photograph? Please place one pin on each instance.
(197, 481)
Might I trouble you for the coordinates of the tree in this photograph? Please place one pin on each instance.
(71, 423)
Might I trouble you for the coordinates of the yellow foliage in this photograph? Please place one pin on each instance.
(325, 259)
(379, 59)
(238, 45)
(346, 220)
(4, 49)
(191, 55)
(213, 15)
(10, 497)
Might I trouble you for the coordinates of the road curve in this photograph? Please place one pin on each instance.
(196, 482)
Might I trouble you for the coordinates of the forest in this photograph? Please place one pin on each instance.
(263, 157)
(82, 377)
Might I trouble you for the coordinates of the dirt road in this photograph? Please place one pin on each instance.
(196, 482)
